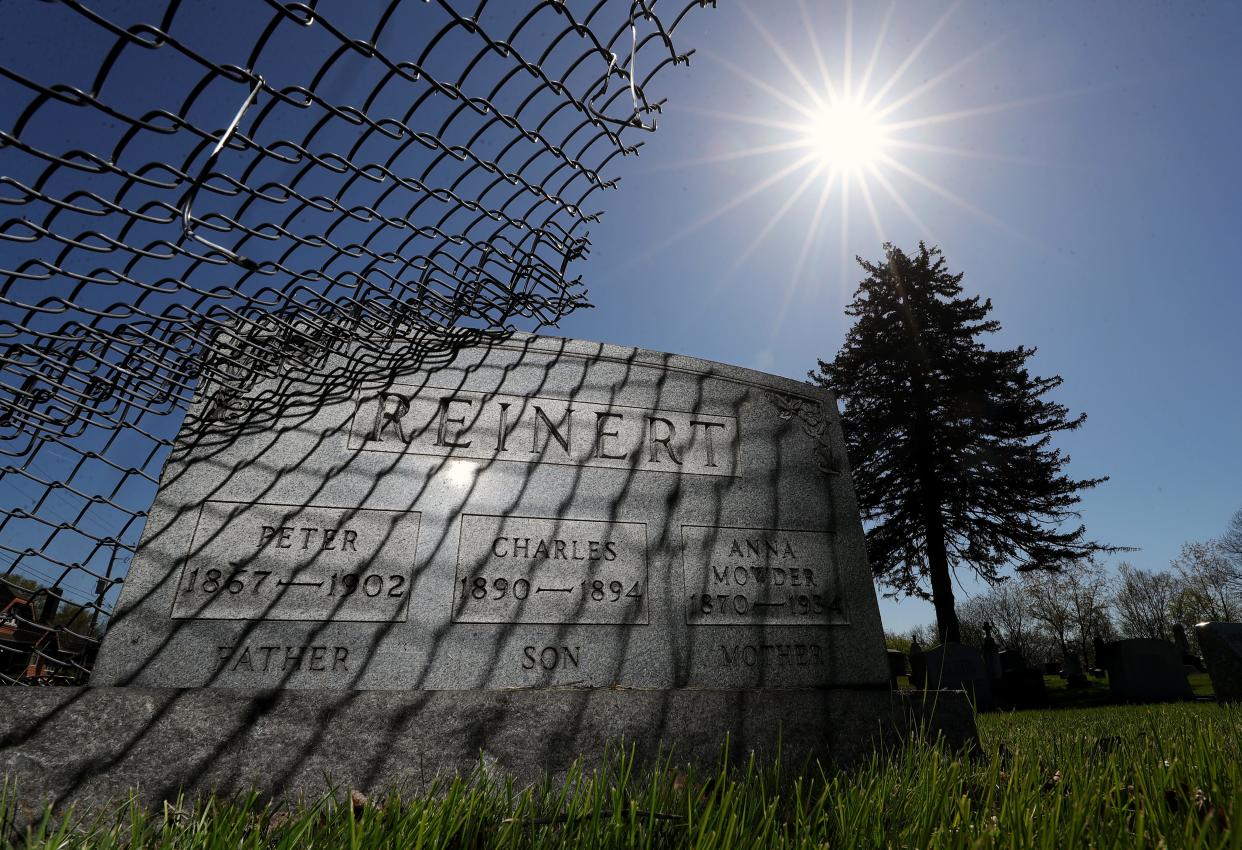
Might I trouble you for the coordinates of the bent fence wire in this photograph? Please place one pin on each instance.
(202, 192)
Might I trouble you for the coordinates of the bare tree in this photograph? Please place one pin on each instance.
(897, 641)
(1071, 605)
(1049, 609)
(1231, 541)
(1007, 607)
(925, 635)
(1144, 601)
(1211, 582)
(971, 618)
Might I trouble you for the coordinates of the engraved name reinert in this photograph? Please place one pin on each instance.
(497, 426)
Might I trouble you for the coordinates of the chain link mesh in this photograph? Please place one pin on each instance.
(206, 195)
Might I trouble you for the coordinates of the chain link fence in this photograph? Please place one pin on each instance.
(198, 194)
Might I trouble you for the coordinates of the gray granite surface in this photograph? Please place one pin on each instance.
(956, 667)
(89, 746)
(1145, 670)
(538, 513)
(536, 549)
(1221, 645)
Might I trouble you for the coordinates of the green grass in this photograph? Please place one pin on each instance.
(1201, 684)
(1061, 695)
(1159, 776)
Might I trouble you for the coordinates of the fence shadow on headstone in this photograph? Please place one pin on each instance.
(541, 545)
(388, 528)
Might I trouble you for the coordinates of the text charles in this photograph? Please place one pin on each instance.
(554, 549)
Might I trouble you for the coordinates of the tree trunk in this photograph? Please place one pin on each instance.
(942, 591)
(947, 626)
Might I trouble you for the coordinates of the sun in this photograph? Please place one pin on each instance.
(846, 134)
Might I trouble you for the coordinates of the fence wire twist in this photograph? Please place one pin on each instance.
(216, 194)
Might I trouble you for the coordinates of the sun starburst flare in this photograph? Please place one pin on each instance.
(846, 134)
(843, 137)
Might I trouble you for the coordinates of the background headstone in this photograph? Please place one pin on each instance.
(1073, 672)
(952, 666)
(918, 665)
(991, 654)
(1098, 653)
(1189, 659)
(1145, 670)
(896, 666)
(1179, 638)
(1011, 660)
(1221, 645)
(1021, 686)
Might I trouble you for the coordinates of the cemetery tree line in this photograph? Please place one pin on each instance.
(949, 440)
(1046, 615)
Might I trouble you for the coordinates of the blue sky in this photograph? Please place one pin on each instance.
(1096, 196)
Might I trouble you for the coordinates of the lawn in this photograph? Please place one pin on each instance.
(1134, 776)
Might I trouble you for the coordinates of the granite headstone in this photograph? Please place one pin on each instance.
(1098, 653)
(1072, 671)
(1145, 670)
(1190, 661)
(1021, 686)
(952, 666)
(991, 654)
(1221, 645)
(896, 666)
(522, 552)
(537, 513)
(918, 667)
(1179, 638)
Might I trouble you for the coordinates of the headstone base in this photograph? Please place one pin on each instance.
(90, 746)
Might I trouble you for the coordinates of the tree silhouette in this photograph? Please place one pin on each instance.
(1231, 540)
(950, 441)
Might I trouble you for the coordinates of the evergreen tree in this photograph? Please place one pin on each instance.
(950, 441)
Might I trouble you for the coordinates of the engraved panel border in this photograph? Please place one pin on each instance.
(355, 587)
(745, 594)
(619, 596)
